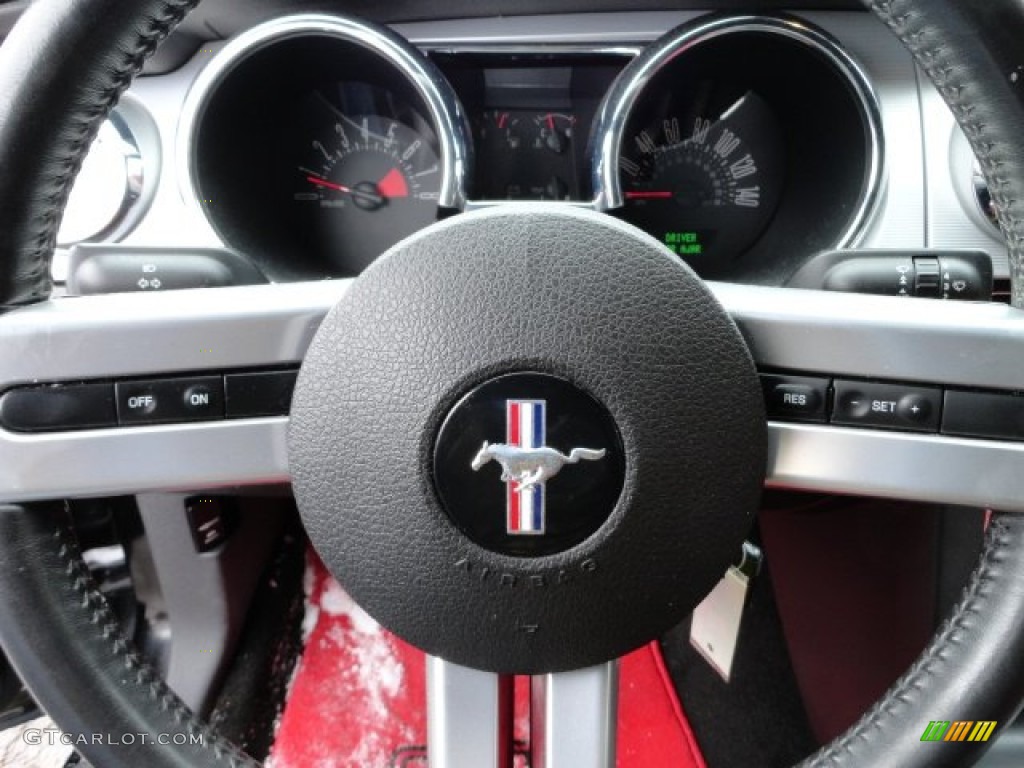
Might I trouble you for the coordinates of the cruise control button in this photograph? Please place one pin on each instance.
(142, 404)
(198, 398)
(993, 415)
(58, 407)
(915, 408)
(165, 401)
(886, 406)
(266, 393)
(795, 398)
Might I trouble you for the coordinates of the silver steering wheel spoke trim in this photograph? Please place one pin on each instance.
(187, 332)
(573, 717)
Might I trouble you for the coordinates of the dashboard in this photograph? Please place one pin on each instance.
(308, 145)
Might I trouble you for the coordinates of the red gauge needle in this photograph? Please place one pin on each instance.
(648, 195)
(365, 195)
(328, 184)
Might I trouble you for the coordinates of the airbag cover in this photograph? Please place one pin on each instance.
(574, 295)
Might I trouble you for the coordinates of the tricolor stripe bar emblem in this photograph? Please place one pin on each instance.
(526, 426)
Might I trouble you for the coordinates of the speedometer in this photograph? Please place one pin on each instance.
(709, 191)
(745, 144)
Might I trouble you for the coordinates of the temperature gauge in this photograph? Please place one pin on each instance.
(527, 155)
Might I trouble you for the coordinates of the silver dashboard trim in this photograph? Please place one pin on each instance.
(954, 217)
(567, 49)
(133, 128)
(446, 113)
(912, 340)
(613, 114)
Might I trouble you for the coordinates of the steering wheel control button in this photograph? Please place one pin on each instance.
(249, 395)
(918, 409)
(165, 401)
(887, 406)
(528, 464)
(199, 397)
(795, 398)
(59, 407)
(983, 414)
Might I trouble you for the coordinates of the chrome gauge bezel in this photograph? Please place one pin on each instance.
(445, 112)
(618, 104)
(132, 128)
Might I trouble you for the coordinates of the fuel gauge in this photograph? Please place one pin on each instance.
(502, 127)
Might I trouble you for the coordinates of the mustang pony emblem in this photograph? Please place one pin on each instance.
(529, 467)
(527, 464)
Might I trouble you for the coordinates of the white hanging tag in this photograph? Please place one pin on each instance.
(715, 627)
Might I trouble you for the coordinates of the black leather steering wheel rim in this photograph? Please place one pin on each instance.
(56, 627)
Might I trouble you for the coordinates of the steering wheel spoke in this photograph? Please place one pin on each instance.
(122, 337)
(118, 337)
(470, 717)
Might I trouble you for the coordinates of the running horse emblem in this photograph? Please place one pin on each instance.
(529, 467)
(527, 464)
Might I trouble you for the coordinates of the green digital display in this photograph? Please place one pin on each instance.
(684, 243)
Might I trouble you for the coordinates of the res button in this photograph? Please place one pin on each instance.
(795, 398)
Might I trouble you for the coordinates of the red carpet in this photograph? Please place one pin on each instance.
(358, 699)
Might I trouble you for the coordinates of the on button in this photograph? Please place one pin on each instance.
(198, 397)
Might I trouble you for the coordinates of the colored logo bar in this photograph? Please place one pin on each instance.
(959, 730)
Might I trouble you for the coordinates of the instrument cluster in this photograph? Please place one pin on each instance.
(316, 143)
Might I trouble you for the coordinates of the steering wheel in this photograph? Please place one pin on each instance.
(569, 317)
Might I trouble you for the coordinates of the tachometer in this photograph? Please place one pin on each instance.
(710, 191)
(314, 144)
(363, 182)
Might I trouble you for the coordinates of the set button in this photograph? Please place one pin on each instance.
(887, 406)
